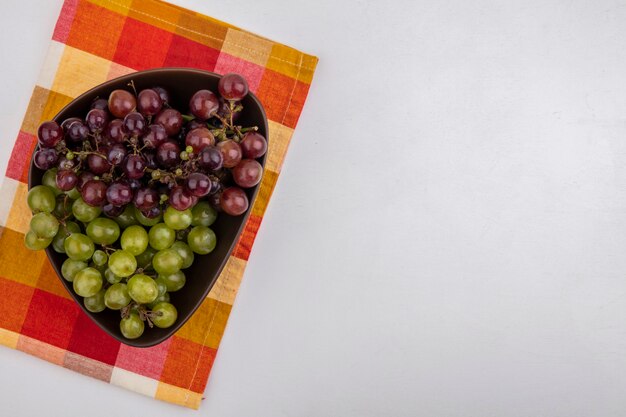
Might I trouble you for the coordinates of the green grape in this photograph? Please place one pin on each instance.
(161, 236)
(116, 296)
(41, 198)
(84, 212)
(122, 263)
(203, 214)
(134, 240)
(142, 288)
(127, 218)
(173, 282)
(45, 225)
(144, 260)
(73, 193)
(185, 252)
(79, 247)
(58, 243)
(161, 298)
(146, 221)
(87, 282)
(202, 240)
(161, 285)
(63, 208)
(132, 326)
(34, 242)
(167, 261)
(111, 277)
(95, 303)
(100, 257)
(103, 231)
(49, 179)
(177, 220)
(100, 268)
(165, 315)
(70, 268)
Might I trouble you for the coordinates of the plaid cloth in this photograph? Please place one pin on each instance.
(94, 41)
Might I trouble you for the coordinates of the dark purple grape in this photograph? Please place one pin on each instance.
(100, 103)
(171, 120)
(211, 159)
(154, 136)
(199, 139)
(180, 199)
(97, 120)
(49, 134)
(45, 158)
(149, 102)
(224, 110)
(253, 145)
(195, 124)
(163, 94)
(112, 211)
(115, 131)
(215, 200)
(231, 152)
(234, 201)
(146, 198)
(203, 104)
(198, 184)
(168, 154)
(121, 102)
(66, 179)
(65, 163)
(77, 131)
(153, 213)
(247, 173)
(83, 178)
(119, 193)
(134, 124)
(150, 158)
(134, 166)
(97, 163)
(116, 154)
(94, 193)
(216, 185)
(134, 184)
(232, 87)
(67, 122)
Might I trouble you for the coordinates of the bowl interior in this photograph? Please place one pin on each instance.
(201, 276)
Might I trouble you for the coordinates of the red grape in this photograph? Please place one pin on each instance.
(134, 184)
(117, 153)
(94, 192)
(234, 201)
(253, 145)
(49, 133)
(83, 178)
(65, 125)
(146, 198)
(224, 110)
(119, 193)
(150, 157)
(121, 102)
(149, 102)
(194, 124)
(100, 103)
(65, 163)
(171, 120)
(77, 131)
(134, 166)
(155, 136)
(163, 94)
(96, 120)
(153, 213)
(198, 184)
(203, 104)
(45, 158)
(199, 139)
(180, 200)
(110, 210)
(231, 152)
(98, 164)
(233, 87)
(115, 131)
(214, 201)
(168, 154)
(134, 123)
(66, 179)
(211, 159)
(247, 173)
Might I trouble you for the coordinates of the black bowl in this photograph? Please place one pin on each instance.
(202, 275)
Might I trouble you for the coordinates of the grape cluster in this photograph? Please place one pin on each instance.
(129, 194)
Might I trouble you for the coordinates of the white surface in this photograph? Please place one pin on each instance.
(447, 237)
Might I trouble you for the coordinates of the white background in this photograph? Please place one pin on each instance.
(448, 235)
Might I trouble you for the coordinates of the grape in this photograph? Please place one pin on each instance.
(116, 154)
(77, 131)
(166, 315)
(142, 219)
(49, 179)
(180, 199)
(122, 263)
(49, 134)
(83, 178)
(177, 220)
(132, 326)
(97, 120)
(100, 268)
(168, 154)
(87, 282)
(94, 193)
(253, 145)
(161, 236)
(58, 242)
(70, 268)
(41, 198)
(142, 289)
(149, 102)
(84, 212)
(155, 136)
(98, 163)
(173, 282)
(64, 163)
(160, 286)
(150, 157)
(119, 193)
(73, 194)
(160, 299)
(232, 87)
(185, 252)
(195, 124)
(201, 240)
(45, 158)
(116, 296)
(248, 173)
(115, 131)
(211, 159)
(111, 277)
(65, 125)
(121, 102)
(103, 231)
(203, 104)
(144, 260)
(34, 242)
(127, 217)
(134, 240)
(163, 94)
(234, 201)
(134, 166)
(231, 152)
(112, 211)
(134, 124)
(78, 247)
(171, 120)
(95, 303)
(167, 262)
(100, 258)
(203, 214)
(198, 184)
(199, 139)
(99, 103)
(66, 179)
(224, 110)
(45, 225)
(146, 198)
(215, 201)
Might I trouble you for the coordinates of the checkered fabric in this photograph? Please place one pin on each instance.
(94, 41)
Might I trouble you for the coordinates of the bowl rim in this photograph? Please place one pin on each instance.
(172, 330)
